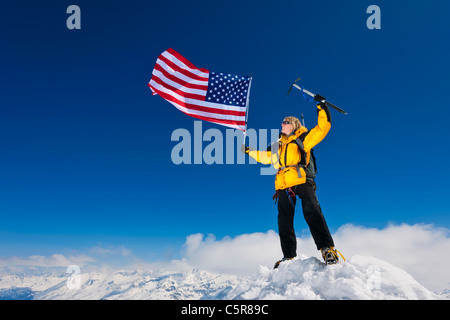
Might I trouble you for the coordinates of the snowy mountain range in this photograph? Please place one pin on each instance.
(360, 277)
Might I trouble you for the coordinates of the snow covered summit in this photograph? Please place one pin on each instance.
(308, 278)
(302, 278)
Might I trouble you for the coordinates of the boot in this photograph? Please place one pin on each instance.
(330, 255)
(277, 264)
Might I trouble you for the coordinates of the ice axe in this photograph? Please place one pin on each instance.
(312, 95)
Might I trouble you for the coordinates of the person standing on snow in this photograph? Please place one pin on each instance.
(295, 176)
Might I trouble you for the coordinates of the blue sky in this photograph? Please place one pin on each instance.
(85, 147)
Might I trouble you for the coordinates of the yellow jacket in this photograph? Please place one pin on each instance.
(288, 156)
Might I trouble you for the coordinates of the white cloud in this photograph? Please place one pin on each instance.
(421, 250)
(240, 255)
(101, 250)
(95, 257)
(55, 260)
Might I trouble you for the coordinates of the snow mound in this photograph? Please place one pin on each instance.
(361, 278)
(304, 277)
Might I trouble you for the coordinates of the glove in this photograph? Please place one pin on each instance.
(244, 149)
(318, 98)
(320, 104)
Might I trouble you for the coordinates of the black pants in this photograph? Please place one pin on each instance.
(313, 216)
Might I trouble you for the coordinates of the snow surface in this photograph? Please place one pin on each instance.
(360, 277)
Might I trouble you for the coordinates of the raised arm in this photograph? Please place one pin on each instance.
(316, 134)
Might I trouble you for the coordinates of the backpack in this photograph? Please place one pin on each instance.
(311, 167)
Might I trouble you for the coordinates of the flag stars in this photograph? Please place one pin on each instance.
(227, 89)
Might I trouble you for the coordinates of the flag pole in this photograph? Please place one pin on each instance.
(247, 107)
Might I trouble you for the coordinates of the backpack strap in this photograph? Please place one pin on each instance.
(301, 147)
(310, 172)
(313, 158)
(285, 154)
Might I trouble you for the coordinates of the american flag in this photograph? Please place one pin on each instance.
(221, 98)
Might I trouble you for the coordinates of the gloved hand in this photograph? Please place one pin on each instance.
(245, 149)
(320, 104)
(318, 98)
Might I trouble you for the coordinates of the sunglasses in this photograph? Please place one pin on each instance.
(286, 122)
